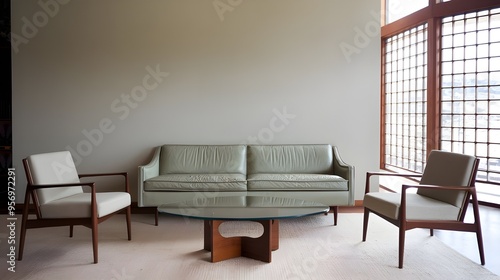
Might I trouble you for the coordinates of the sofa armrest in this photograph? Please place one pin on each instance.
(150, 170)
(345, 171)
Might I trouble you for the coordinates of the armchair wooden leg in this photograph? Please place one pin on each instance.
(479, 237)
(156, 217)
(479, 234)
(402, 232)
(129, 231)
(365, 223)
(21, 242)
(95, 240)
(71, 231)
(24, 225)
(22, 238)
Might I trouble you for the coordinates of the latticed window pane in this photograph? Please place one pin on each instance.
(405, 99)
(470, 95)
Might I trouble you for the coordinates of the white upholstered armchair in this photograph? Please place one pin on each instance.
(58, 197)
(446, 187)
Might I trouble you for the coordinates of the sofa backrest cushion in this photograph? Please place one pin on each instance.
(180, 159)
(296, 159)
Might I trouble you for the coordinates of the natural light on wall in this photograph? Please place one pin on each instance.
(401, 8)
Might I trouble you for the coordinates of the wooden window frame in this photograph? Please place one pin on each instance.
(432, 15)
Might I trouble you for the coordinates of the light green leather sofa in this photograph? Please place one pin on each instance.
(313, 172)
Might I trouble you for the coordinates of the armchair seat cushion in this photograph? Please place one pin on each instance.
(305, 182)
(78, 205)
(197, 182)
(418, 207)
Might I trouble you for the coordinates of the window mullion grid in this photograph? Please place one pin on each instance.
(403, 135)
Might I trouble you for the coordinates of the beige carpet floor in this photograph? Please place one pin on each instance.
(310, 248)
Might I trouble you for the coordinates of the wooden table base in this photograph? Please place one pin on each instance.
(259, 248)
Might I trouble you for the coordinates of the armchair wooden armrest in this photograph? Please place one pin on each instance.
(369, 174)
(451, 188)
(124, 174)
(31, 192)
(468, 189)
(46, 186)
(103, 174)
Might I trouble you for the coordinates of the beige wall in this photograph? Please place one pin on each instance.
(112, 79)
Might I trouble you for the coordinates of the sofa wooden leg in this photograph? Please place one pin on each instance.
(335, 214)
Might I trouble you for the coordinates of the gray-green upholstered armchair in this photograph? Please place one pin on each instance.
(55, 189)
(446, 187)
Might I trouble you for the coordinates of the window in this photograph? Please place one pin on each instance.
(441, 87)
(405, 99)
(470, 90)
(397, 9)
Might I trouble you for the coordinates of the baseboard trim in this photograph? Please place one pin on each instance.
(134, 209)
(151, 210)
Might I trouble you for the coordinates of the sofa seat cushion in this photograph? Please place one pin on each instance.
(210, 200)
(197, 182)
(265, 201)
(291, 182)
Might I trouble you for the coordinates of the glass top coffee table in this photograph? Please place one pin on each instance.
(261, 209)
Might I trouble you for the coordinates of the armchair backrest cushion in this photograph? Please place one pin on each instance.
(54, 168)
(290, 159)
(222, 159)
(448, 169)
